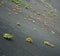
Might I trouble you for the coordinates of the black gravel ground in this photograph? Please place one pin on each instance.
(38, 30)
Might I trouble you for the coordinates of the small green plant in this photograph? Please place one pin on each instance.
(17, 2)
(27, 6)
(50, 12)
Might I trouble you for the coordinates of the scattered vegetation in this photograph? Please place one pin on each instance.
(50, 12)
(17, 2)
(2, 3)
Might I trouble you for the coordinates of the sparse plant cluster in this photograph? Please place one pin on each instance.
(17, 2)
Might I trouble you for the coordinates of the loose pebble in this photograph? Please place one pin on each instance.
(16, 13)
(18, 24)
(34, 28)
(29, 39)
(49, 44)
(33, 21)
(52, 32)
(7, 36)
